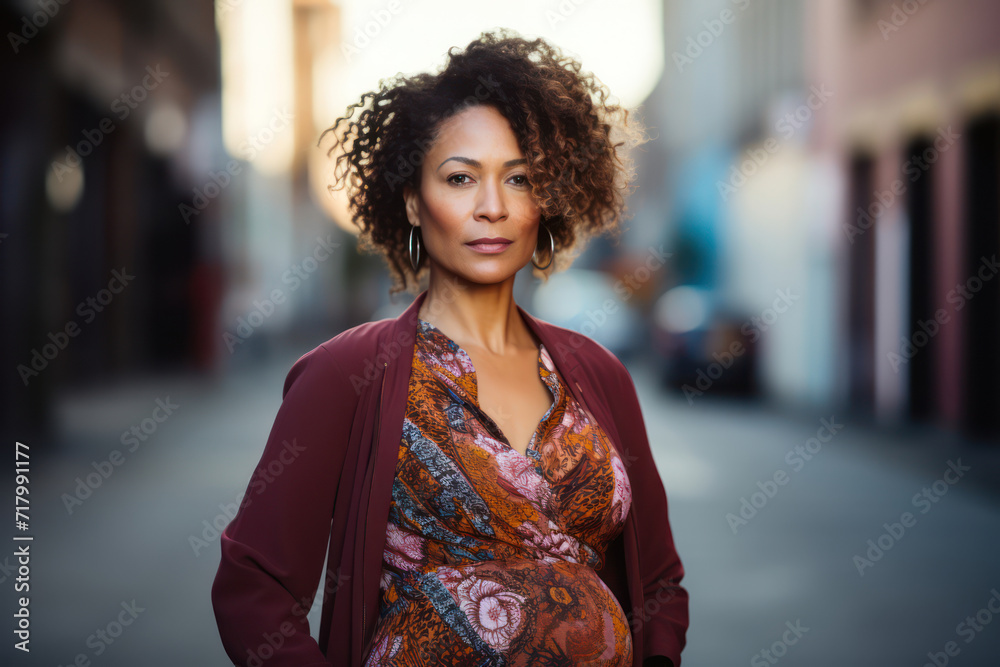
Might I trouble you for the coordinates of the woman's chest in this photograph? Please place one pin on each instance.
(565, 497)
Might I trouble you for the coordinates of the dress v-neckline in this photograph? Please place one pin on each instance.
(473, 401)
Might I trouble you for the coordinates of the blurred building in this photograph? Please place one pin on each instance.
(915, 133)
(164, 204)
(730, 185)
(844, 155)
(100, 274)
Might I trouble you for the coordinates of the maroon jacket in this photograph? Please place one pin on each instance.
(322, 488)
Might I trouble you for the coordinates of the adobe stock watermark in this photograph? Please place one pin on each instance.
(131, 439)
(779, 648)
(924, 501)
(625, 287)
(333, 582)
(394, 348)
(407, 166)
(627, 457)
(562, 12)
(968, 629)
(7, 570)
(900, 15)
(271, 642)
(262, 477)
(363, 35)
(786, 126)
(796, 458)
(957, 297)
(248, 150)
(753, 329)
(103, 637)
(59, 340)
(915, 167)
(656, 259)
(695, 45)
(666, 592)
(122, 106)
(433, 651)
(31, 25)
(223, 7)
(294, 277)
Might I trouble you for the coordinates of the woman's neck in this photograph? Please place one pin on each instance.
(475, 314)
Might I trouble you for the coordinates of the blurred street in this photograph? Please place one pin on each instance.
(805, 285)
(790, 566)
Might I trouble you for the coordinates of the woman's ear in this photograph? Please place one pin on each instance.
(412, 199)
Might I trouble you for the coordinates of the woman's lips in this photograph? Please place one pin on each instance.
(491, 248)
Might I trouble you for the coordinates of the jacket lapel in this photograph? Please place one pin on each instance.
(395, 357)
(558, 343)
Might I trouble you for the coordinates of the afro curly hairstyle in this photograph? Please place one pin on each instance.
(568, 130)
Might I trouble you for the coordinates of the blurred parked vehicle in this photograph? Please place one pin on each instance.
(703, 347)
(586, 301)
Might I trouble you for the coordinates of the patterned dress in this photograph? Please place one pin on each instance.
(490, 554)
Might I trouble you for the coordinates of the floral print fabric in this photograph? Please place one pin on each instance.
(491, 555)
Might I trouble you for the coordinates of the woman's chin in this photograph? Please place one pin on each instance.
(489, 273)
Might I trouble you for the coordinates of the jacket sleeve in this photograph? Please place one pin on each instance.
(273, 549)
(664, 621)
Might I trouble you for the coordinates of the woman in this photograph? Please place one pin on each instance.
(482, 469)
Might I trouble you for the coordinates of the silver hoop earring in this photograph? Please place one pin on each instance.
(414, 262)
(552, 252)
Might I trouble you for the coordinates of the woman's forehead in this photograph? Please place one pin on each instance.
(480, 129)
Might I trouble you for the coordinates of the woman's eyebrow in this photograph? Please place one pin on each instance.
(476, 163)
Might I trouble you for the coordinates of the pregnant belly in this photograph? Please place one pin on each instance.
(514, 612)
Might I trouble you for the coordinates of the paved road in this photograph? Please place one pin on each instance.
(782, 577)
(797, 553)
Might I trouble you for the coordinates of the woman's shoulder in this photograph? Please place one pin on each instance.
(581, 350)
(347, 355)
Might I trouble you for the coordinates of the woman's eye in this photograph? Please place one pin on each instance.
(463, 179)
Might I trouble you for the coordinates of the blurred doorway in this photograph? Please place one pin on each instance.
(920, 212)
(981, 364)
(861, 288)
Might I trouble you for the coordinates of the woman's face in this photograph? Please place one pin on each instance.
(474, 186)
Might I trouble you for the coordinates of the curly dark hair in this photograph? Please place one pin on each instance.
(569, 131)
